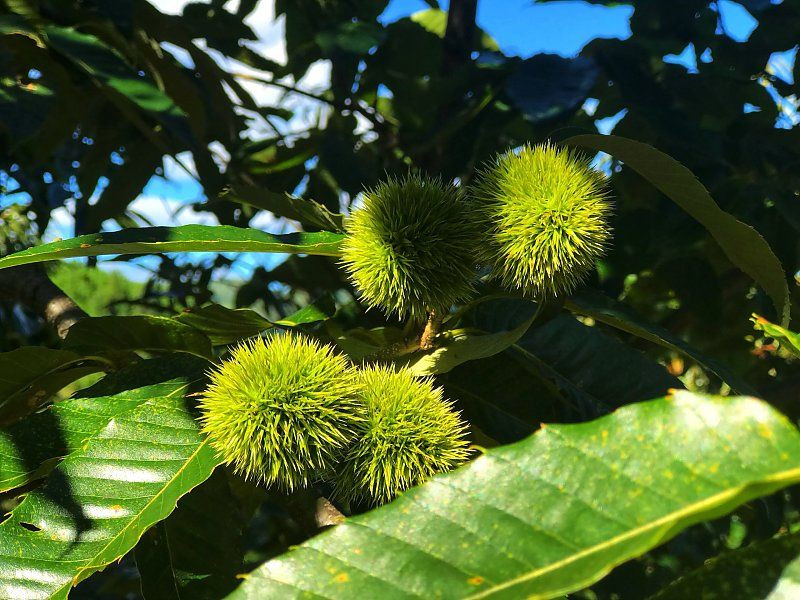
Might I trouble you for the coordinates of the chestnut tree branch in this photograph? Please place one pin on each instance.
(459, 34)
(30, 286)
(431, 330)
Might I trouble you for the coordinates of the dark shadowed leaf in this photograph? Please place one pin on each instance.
(546, 85)
(552, 374)
(111, 487)
(748, 573)
(136, 332)
(197, 551)
(224, 326)
(109, 69)
(604, 309)
(742, 244)
(29, 376)
(788, 586)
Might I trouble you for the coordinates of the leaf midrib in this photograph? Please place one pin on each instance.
(709, 502)
(90, 565)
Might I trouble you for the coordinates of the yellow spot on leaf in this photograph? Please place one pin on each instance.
(342, 578)
(86, 245)
(358, 551)
(714, 468)
(477, 580)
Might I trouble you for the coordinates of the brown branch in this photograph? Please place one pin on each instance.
(30, 286)
(432, 326)
(327, 514)
(310, 511)
(460, 33)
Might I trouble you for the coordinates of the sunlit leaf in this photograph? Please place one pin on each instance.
(186, 238)
(110, 488)
(551, 514)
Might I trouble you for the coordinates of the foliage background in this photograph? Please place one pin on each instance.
(88, 118)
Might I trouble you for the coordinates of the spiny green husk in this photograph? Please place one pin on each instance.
(411, 247)
(281, 411)
(410, 434)
(546, 215)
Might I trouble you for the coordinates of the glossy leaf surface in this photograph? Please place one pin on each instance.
(112, 486)
(553, 513)
(186, 238)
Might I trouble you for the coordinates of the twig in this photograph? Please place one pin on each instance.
(327, 514)
(434, 323)
(310, 511)
(30, 286)
(367, 111)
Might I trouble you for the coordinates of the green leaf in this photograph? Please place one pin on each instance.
(605, 310)
(106, 493)
(350, 37)
(742, 244)
(553, 513)
(552, 374)
(30, 375)
(136, 332)
(306, 212)
(459, 346)
(788, 339)
(546, 86)
(319, 310)
(566, 352)
(788, 585)
(224, 325)
(747, 573)
(197, 551)
(109, 69)
(186, 238)
(31, 448)
(361, 343)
